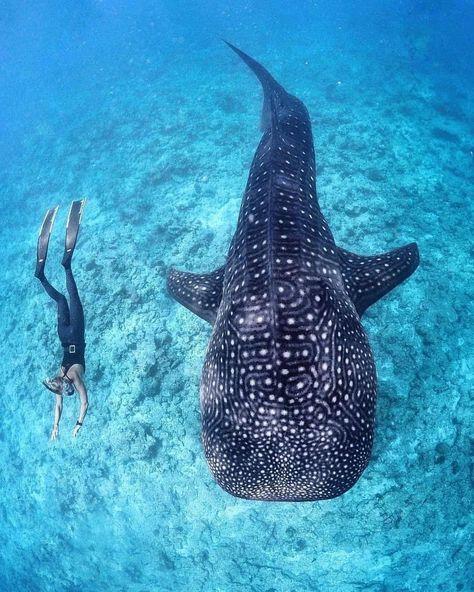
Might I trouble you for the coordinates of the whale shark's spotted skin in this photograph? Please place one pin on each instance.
(289, 386)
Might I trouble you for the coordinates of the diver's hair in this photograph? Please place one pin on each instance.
(55, 384)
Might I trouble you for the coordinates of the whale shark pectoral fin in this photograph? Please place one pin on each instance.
(201, 293)
(367, 279)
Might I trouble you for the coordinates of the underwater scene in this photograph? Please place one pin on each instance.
(209, 386)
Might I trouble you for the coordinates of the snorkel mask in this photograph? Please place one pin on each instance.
(59, 386)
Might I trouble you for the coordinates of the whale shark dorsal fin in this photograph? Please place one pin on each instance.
(367, 279)
(200, 293)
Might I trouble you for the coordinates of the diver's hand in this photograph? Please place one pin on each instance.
(76, 429)
(55, 433)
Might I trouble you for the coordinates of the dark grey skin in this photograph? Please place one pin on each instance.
(288, 388)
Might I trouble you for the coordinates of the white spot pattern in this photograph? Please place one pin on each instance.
(288, 388)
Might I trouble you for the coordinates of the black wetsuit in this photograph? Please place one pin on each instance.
(70, 321)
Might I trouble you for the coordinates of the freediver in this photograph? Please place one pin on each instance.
(70, 377)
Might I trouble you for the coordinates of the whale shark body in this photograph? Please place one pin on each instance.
(288, 389)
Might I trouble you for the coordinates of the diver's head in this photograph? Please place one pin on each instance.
(59, 385)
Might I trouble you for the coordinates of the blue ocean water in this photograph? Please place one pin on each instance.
(140, 107)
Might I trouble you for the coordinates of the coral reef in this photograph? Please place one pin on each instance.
(162, 153)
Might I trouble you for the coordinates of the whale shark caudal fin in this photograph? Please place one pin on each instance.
(367, 279)
(269, 84)
(201, 293)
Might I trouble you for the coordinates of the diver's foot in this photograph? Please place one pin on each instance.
(66, 262)
(39, 273)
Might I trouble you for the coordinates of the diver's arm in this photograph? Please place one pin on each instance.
(58, 408)
(82, 390)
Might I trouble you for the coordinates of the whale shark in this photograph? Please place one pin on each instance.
(288, 388)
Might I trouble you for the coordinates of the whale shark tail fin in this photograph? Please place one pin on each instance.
(267, 80)
(367, 279)
(270, 87)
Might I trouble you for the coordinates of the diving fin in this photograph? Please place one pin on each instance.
(200, 293)
(72, 230)
(43, 240)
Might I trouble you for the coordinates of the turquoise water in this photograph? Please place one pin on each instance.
(141, 108)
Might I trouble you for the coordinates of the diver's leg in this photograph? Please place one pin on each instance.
(60, 299)
(76, 312)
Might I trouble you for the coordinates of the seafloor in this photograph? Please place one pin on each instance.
(162, 152)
